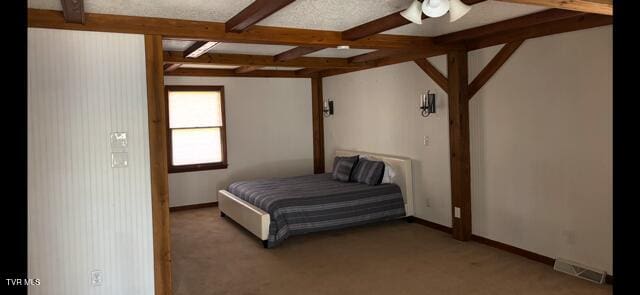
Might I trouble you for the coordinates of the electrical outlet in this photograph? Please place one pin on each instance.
(119, 160)
(428, 203)
(456, 212)
(425, 140)
(96, 278)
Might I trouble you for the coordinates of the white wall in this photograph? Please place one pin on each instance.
(377, 111)
(541, 142)
(269, 134)
(83, 214)
(541, 148)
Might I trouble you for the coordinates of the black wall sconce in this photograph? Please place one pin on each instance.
(327, 109)
(428, 103)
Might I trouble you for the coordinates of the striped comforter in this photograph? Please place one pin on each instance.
(311, 203)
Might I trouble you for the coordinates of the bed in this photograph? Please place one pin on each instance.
(274, 209)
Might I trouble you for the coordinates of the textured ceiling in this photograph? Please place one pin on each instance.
(336, 15)
(319, 14)
(206, 10)
(334, 52)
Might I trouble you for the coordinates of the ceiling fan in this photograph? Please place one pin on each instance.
(435, 8)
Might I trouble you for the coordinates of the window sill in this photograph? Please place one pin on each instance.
(198, 167)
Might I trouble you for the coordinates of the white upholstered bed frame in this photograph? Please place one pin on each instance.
(257, 221)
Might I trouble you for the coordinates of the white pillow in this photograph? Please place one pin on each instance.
(388, 175)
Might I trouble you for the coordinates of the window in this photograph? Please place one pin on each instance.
(196, 128)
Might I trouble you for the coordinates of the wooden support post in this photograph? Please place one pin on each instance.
(318, 125)
(459, 144)
(73, 11)
(158, 159)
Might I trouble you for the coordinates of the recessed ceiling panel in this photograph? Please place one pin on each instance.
(241, 48)
(176, 45)
(201, 66)
(235, 48)
(342, 53)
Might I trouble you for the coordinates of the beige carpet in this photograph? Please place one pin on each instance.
(213, 255)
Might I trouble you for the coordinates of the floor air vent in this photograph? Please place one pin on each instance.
(581, 271)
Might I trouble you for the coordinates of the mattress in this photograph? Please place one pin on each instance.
(311, 203)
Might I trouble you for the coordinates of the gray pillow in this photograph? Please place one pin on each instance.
(368, 172)
(342, 167)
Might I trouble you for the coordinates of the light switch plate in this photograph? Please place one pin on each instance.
(456, 212)
(119, 160)
(96, 278)
(118, 141)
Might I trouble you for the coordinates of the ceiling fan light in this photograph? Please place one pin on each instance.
(413, 13)
(457, 9)
(435, 8)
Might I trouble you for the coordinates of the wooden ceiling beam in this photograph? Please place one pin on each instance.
(73, 11)
(373, 27)
(385, 61)
(406, 56)
(492, 67)
(578, 22)
(525, 21)
(433, 73)
(382, 24)
(257, 11)
(385, 23)
(591, 6)
(575, 23)
(259, 60)
(378, 54)
(211, 31)
(199, 48)
(309, 71)
(296, 52)
(232, 73)
(171, 67)
(246, 69)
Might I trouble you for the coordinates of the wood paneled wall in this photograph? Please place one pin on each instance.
(83, 214)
